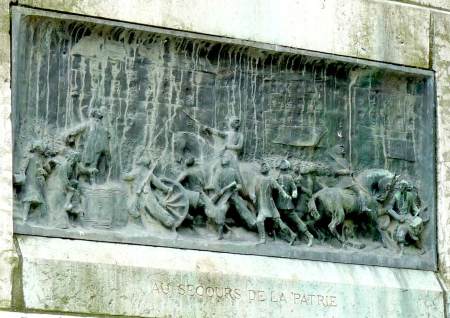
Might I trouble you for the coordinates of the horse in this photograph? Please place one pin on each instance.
(372, 186)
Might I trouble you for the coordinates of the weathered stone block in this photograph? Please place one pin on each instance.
(435, 4)
(8, 257)
(441, 64)
(9, 314)
(87, 277)
(365, 29)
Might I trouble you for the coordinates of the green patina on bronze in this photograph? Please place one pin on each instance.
(148, 136)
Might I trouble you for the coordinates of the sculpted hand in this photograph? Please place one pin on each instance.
(286, 196)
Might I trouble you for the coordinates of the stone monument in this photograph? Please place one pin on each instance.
(172, 139)
(154, 172)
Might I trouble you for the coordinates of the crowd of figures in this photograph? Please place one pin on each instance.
(282, 198)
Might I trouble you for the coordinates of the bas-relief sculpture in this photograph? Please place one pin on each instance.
(150, 138)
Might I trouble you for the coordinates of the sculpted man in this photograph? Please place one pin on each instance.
(265, 188)
(285, 204)
(32, 177)
(404, 202)
(234, 139)
(193, 180)
(59, 189)
(229, 184)
(142, 196)
(406, 224)
(95, 144)
(343, 170)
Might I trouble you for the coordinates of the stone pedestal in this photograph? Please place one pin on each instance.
(103, 278)
(62, 276)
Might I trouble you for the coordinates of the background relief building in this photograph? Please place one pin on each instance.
(224, 159)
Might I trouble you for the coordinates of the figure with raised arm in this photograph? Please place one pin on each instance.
(234, 139)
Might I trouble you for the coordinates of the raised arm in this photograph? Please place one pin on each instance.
(214, 131)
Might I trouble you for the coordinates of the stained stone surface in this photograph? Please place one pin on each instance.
(117, 279)
(9, 314)
(348, 28)
(8, 256)
(142, 135)
(435, 4)
(373, 30)
(441, 64)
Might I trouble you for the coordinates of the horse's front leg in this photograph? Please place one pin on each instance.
(337, 219)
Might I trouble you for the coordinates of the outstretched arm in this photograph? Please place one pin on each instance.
(214, 131)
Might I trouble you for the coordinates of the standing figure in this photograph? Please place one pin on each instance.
(229, 185)
(32, 179)
(234, 139)
(265, 188)
(304, 183)
(95, 154)
(59, 188)
(285, 204)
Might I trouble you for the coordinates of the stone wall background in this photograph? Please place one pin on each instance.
(408, 32)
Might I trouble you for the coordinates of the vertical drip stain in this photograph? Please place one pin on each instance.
(146, 82)
(116, 101)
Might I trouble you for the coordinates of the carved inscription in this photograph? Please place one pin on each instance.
(246, 295)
